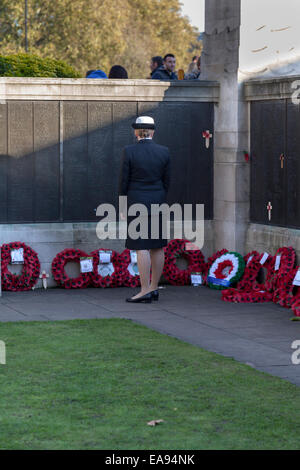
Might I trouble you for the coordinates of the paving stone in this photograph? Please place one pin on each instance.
(9, 314)
(259, 335)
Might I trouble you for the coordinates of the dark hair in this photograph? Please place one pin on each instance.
(158, 59)
(88, 72)
(169, 55)
(195, 57)
(117, 71)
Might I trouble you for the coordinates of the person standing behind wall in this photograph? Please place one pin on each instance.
(167, 70)
(196, 73)
(95, 74)
(193, 65)
(117, 71)
(155, 63)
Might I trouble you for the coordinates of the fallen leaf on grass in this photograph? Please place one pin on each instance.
(154, 422)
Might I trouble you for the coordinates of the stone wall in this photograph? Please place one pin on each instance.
(220, 61)
(268, 237)
(48, 238)
(225, 26)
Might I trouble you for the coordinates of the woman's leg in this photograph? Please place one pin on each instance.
(143, 262)
(156, 259)
(157, 262)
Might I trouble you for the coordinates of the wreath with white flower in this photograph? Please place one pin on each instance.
(130, 275)
(226, 270)
(30, 270)
(105, 278)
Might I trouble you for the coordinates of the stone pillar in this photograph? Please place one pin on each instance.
(220, 61)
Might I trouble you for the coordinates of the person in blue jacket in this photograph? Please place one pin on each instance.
(95, 74)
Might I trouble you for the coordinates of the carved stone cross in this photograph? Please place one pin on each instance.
(206, 135)
(269, 209)
(281, 160)
(44, 277)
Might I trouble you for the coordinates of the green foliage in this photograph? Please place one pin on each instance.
(27, 65)
(99, 34)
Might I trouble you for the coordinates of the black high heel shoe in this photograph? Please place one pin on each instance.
(147, 298)
(154, 294)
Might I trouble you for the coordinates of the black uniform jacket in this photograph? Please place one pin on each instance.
(145, 173)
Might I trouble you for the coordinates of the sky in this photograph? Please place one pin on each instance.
(269, 33)
(194, 9)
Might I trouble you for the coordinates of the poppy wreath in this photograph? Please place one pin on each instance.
(252, 268)
(172, 273)
(287, 263)
(238, 295)
(226, 270)
(248, 290)
(287, 294)
(58, 269)
(211, 260)
(30, 272)
(269, 283)
(128, 280)
(296, 308)
(116, 278)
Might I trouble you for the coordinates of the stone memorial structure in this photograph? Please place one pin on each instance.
(233, 137)
(61, 144)
(252, 48)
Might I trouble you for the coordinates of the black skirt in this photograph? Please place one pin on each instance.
(155, 239)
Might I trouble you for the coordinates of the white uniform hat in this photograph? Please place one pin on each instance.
(144, 122)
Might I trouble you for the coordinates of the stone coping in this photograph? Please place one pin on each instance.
(77, 231)
(269, 238)
(22, 88)
(271, 88)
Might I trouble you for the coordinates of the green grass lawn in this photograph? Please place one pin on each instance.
(94, 384)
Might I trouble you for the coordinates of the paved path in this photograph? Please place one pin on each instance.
(256, 334)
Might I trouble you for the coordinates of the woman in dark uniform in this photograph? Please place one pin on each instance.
(144, 179)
